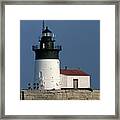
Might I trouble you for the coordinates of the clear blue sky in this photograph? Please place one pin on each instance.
(80, 40)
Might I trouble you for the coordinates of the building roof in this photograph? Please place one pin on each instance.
(74, 72)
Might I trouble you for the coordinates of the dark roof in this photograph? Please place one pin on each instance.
(74, 72)
(46, 30)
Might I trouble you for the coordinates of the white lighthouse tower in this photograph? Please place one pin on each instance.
(47, 64)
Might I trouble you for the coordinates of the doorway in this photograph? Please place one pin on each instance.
(75, 83)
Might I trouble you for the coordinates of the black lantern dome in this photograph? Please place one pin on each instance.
(46, 30)
(47, 33)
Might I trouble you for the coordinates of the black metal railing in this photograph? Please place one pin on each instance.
(34, 47)
(59, 47)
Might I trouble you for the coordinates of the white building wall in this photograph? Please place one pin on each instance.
(63, 80)
(67, 81)
(84, 82)
(48, 71)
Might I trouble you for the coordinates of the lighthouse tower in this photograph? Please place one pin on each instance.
(47, 64)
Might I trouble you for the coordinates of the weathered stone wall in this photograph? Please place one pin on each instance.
(60, 95)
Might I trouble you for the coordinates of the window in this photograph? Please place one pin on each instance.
(43, 45)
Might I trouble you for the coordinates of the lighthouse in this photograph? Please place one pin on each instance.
(47, 64)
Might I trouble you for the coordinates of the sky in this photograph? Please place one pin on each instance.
(80, 41)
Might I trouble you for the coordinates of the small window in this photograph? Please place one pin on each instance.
(43, 45)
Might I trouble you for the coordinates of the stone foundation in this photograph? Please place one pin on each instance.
(59, 95)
